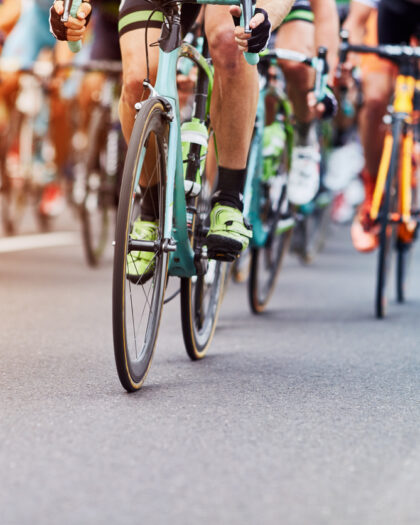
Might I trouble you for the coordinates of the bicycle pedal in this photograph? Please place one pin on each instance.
(223, 256)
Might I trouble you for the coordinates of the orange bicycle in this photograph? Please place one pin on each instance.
(395, 199)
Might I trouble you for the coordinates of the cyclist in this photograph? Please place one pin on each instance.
(376, 74)
(310, 24)
(390, 22)
(28, 38)
(233, 108)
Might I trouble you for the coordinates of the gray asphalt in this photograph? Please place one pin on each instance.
(308, 414)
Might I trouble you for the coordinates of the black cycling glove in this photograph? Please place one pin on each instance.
(260, 35)
(330, 103)
(57, 27)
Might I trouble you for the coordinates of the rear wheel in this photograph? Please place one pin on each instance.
(95, 210)
(201, 295)
(137, 302)
(315, 228)
(404, 255)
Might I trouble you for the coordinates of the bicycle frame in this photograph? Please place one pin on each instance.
(402, 110)
(403, 106)
(176, 239)
(255, 157)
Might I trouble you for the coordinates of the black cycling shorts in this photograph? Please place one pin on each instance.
(105, 45)
(138, 14)
(398, 21)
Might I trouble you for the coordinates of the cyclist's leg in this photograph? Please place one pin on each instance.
(132, 26)
(298, 34)
(377, 82)
(233, 110)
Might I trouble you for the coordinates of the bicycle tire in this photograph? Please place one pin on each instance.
(266, 261)
(201, 295)
(387, 230)
(404, 255)
(130, 330)
(95, 207)
(315, 232)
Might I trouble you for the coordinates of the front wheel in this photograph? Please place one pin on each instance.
(266, 260)
(138, 299)
(387, 228)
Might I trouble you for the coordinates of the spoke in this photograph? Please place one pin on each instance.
(132, 318)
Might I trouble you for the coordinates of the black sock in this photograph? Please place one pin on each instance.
(230, 187)
(304, 133)
(149, 206)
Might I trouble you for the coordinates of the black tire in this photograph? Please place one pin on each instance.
(137, 307)
(201, 295)
(95, 210)
(404, 255)
(266, 261)
(315, 228)
(387, 229)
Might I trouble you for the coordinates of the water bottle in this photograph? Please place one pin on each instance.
(194, 132)
(274, 142)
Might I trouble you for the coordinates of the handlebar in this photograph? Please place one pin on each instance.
(319, 63)
(71, 7)
(392, 52)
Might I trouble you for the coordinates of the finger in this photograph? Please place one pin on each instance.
(84, 10)
(74, 23)
(59, 7)
(311, 99)
(240, 33)
(257, 20)
(320, 109)
(75, 34)
(235, 10)
(243, 45)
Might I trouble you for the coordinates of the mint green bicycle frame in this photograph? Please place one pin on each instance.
(181, 261)
(252, 190)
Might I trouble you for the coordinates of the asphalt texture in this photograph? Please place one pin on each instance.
(308, 414)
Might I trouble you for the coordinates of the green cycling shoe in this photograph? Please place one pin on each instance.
(141, 265)
(229, 235)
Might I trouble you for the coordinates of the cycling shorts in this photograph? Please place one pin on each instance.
(138, 14)
(30, 35)
(398, 21)
(301, 11)
(105, 45)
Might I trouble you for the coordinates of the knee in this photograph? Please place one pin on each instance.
(132, 89)
(375, 104)
(297, 75)
(224, 50)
